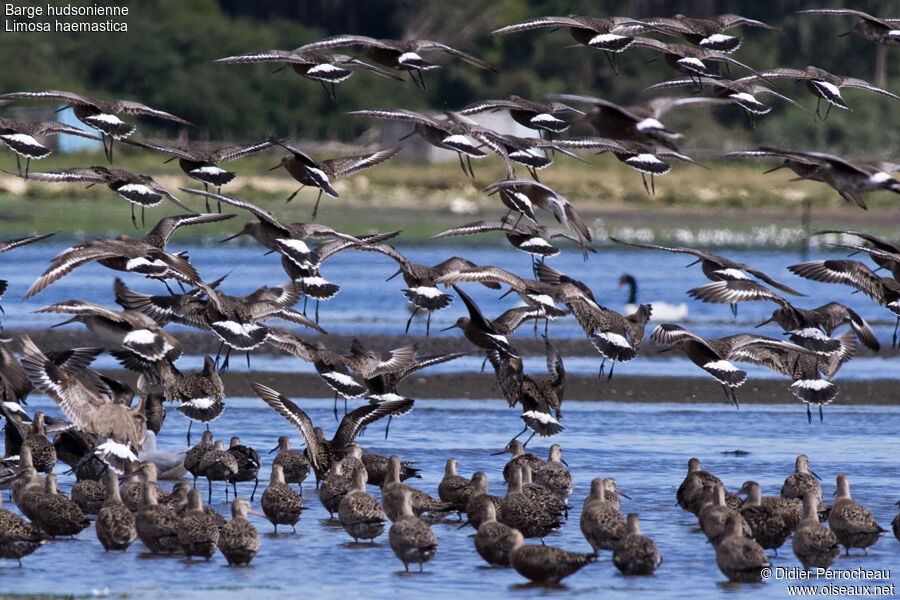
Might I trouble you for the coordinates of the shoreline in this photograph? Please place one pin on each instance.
(623, 387)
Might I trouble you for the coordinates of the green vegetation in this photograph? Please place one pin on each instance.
(166, 60)
(423, 199)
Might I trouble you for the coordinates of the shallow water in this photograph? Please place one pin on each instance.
(644, 447)
(367, 304)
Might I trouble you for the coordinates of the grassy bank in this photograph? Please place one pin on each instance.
(423, 199)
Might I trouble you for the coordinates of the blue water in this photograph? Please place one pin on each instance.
(367, 304)
(644, 447)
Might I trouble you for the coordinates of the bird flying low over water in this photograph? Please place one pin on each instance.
(120, 428)
(324, 453)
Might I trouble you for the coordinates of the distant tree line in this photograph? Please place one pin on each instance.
(165, 60)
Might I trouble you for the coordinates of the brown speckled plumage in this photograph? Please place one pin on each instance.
(636, 554)
(851, 522)
(814, 544)
(410, 537)
(360, 514)
(602, 525)
(115, 525)
(239, 540)
(280, 503)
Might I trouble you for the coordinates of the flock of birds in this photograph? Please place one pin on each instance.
(106, 437)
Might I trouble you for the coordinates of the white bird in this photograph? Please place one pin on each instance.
(169, 464)
(662, 312)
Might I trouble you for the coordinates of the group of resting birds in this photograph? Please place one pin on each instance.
(111, 435)
(742, 531)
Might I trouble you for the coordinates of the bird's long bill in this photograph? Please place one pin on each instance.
(273, 450)
(275, 167)
(448, 329)
(231, 237)
(66, 322)
(769, 320)
(504, 451)
(813, 473)
(621, 493)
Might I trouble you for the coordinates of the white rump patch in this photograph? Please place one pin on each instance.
(236, 328)
(500, 338)
(296, 245)
(545, 418)
(106, 118)
(410, 57)
(830, 87)
(542, 118)
(319, 173)
(14, 407)
(716, 39)
(341, 378)
(210, 170)
(427, 291)
(542, 299)
(731, 274)
(201, 403)
(648, 163)
(141, 336)
(811, 333)
(721, 365)
(459, 140)
(880, 177)
(604, 38)
(615, 339)
(745, 97)
(325, 69)
(22, 138)
(694, 64)
(116, 449)
(136, 263)
(536, 242)
(522, 199)
(813, 384)
(318, 281)
(649, 124)
(137, 188)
